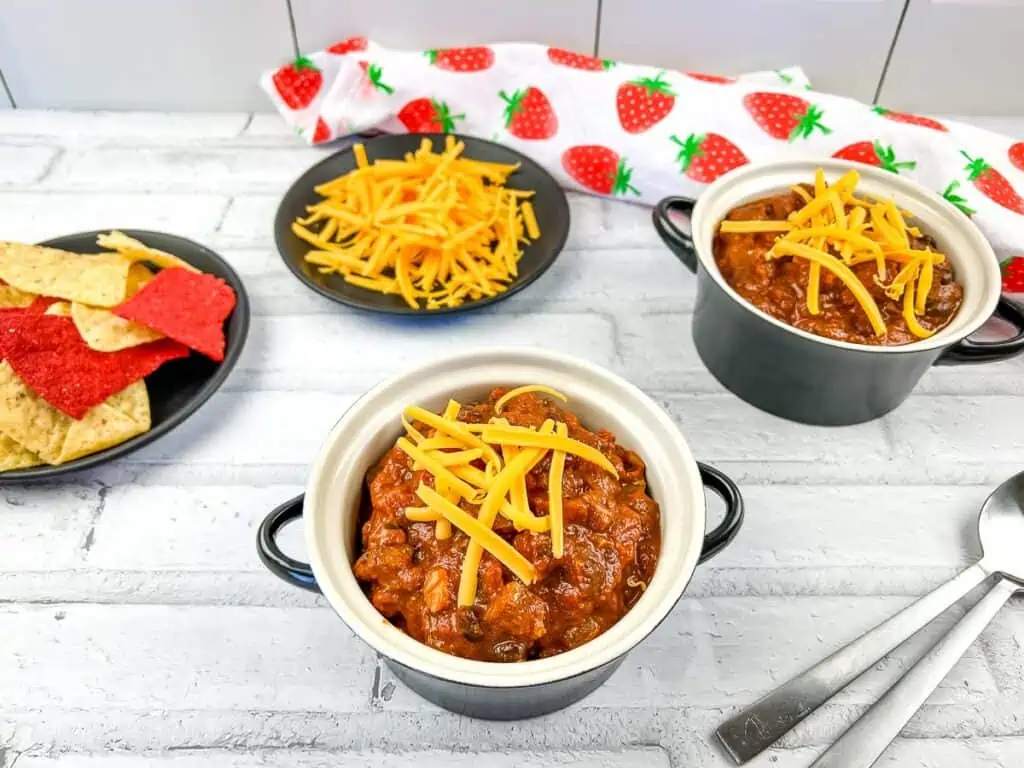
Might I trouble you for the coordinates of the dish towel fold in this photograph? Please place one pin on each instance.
(641, 133)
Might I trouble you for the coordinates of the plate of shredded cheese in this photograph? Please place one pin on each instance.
(422, 224)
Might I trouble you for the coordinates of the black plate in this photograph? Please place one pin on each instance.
(177, 388)
(549, 204)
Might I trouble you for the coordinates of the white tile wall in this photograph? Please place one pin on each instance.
(124, 54)
(732, 36)
(399, 23)
(958, 56)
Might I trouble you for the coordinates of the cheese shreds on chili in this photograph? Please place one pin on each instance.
(485, 466)
(836, 230)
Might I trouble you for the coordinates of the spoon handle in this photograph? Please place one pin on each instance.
(866, 740)
(756, 728)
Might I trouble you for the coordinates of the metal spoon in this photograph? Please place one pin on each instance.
(1001, 531)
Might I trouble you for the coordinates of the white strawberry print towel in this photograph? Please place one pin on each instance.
(640, 133)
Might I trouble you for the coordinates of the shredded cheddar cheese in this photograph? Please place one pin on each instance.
(479, 471)
(436, 229)
(835, 230)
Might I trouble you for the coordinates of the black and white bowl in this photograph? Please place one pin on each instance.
(330, 511)
(809, 378)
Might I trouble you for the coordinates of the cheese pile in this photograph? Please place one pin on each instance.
(436, 228)
(452, 453)
(836, 230)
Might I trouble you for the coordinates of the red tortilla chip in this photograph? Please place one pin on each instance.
(186, 306)
(50, 356)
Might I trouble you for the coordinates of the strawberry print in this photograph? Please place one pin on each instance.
(784, 116)
(992, 184)
(428, 116)
(322, 134)
(643, 103)
(578, 60)
(474, 59)
(790, 80)
(705, 157)
(528, 114)
(1013, 274)
(373, 76)
(909, 119)
(348, 46)
(874, 153)
(951, 196)
(298, 83)
(598, 169)
(706, 78)
(1016, 154)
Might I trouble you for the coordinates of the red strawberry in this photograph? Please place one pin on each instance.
(578, 60)
(373, 76)
(598, 169)
(322, 134)
(874, 153)
(706, 157)
(642, 103)
(784, 116)
(705, 78)
(462, 59)
(428, 116)
(1013, 274)
(1016, 154)
(992, 184)
(909, 119)
(348, 46)
(528, 114)
(951, 196)
(298, 83)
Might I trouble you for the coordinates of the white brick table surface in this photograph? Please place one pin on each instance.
(137, 626)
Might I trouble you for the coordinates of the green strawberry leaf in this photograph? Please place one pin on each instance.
(887, 157)
(975, 167)
(950, 195)
(444, 117)
(808, 124)
(656, 84)
(688, 149)
(513, 104)
(373, 72)
(623, 174)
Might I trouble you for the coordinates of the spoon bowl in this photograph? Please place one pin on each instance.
(1001, 529)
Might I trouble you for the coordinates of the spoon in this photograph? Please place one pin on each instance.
(1001, 532)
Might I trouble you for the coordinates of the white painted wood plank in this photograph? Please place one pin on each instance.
(160, 657)
(144, 127)
(735, 36)
(21, 166)
(118, 54)
(980, 79)
(34, 216)
(627, 757)
(568, 23)
(45, 529)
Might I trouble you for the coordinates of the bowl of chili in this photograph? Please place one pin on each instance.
(507, 641)
(825, 300)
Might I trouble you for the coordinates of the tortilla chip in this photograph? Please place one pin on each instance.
(12, 298)
(133, 402)
(135, 250)
(102, 427)
(138, 277)
(185, 306)
(37, 426)
(28, 419)
(97, 279)
(14, 456)
(59, 309)
(106, 332)
(52, 358)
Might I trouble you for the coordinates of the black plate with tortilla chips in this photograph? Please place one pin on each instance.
(179, 387)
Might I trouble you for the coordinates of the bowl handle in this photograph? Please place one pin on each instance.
(295, 572)
(679, 242)
(726, 531)
(967, 351)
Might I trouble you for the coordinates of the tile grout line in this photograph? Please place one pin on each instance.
(7, 89)
(292, 28)
(889, 53)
